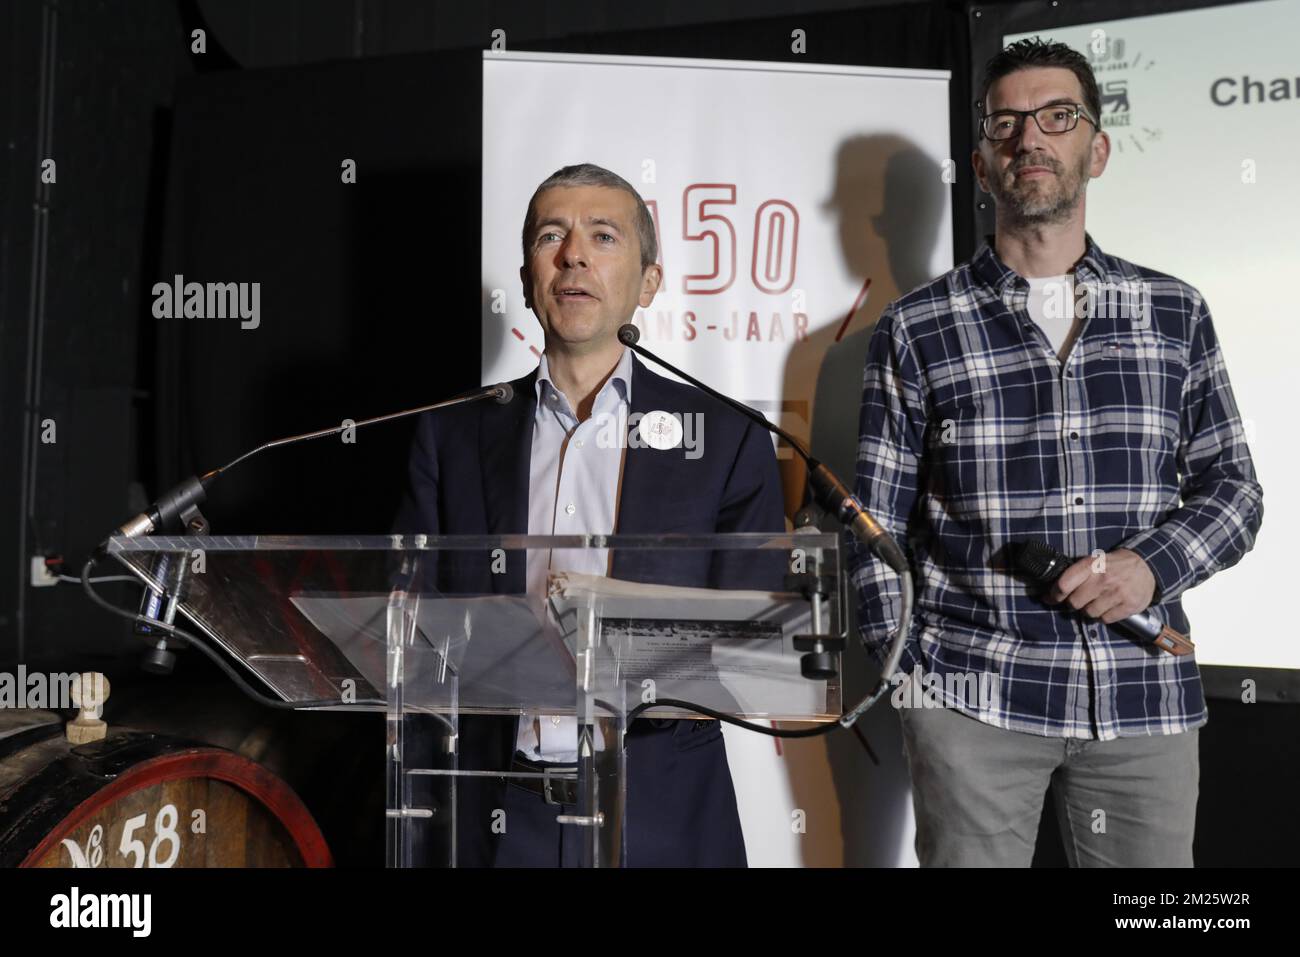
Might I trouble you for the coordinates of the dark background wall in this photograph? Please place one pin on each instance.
(225, 167)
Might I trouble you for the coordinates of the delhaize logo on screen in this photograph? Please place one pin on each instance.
(1117, 77)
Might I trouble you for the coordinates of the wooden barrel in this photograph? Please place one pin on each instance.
(139, 799)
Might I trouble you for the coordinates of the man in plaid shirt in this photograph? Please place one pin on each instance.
(991, 417)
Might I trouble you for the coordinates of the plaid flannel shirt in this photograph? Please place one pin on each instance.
(973, 437)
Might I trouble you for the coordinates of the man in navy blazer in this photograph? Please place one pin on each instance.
(590, 258)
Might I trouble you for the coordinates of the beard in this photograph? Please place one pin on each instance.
(1041, 200)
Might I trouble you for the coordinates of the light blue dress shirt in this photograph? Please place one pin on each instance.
(573, 489)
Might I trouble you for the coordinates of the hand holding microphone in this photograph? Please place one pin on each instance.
(1122, 587)
(1120, 595)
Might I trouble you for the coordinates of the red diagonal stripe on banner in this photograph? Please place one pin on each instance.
(857, 304)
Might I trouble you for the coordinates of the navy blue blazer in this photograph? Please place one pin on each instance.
(469, 472)
(469, 475)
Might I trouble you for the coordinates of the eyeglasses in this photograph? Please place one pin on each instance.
(1059, 118)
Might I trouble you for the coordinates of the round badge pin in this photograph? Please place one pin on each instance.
(660, 430)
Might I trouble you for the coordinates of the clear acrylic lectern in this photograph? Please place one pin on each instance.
(441, 631)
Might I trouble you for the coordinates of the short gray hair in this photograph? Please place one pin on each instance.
(589, 174)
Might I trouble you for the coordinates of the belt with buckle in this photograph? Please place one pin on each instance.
(553, 786)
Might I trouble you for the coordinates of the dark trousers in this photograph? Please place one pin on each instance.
(681, 806)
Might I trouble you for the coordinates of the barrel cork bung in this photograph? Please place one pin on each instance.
(89, 692)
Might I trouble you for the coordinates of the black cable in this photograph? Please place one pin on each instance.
(846, 720)
(732, 719)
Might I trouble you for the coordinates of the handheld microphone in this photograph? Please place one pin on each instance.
(830, 493)
(1043, 564)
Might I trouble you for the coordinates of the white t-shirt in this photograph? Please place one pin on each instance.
(1051, 305)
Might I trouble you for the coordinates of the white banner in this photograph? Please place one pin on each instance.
(792, 203)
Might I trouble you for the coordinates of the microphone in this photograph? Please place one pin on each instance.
(829, 492)
(1044, 564)
(179, 505)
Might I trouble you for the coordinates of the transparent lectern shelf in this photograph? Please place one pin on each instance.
(441, 624)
